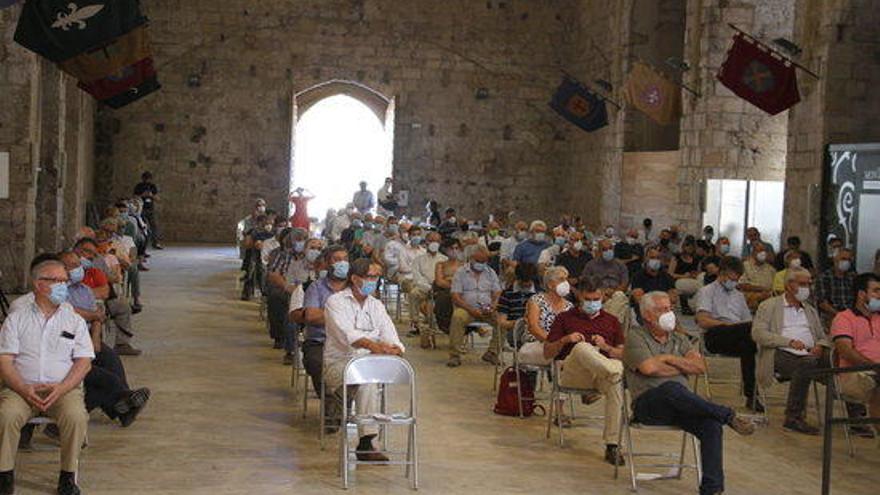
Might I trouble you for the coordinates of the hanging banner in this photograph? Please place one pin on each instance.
(580, 106)
(758, 76)
(111, 58)
(653, 94)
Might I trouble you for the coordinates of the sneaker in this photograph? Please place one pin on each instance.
(7, 482)
(613, 455)
(454, 362)
(742, 425)
(67, 484)
(287, 360)
(491, 358)
(126, 350)
(137, 400)
(142, 267)
(158, 247)
(371, 457)
(590, 397)
(24, 441)
(135, 309)
(798, 425)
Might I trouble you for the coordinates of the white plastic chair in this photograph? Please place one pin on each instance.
(381, 370)
(675, 468)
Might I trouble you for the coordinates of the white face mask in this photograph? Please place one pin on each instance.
(563, 289)
(795, 263)
(803, 293)
(433, 247)
(667, 321)
(762, 256)
(578, 246)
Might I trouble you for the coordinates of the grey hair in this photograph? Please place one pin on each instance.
(40, 267)
(792, 273)
(474, 249)
(649, 302)
(537, 223)
(554, 273)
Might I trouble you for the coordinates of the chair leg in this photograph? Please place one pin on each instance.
(343, 450)
(306, 398)
(551, 409)
(415, 457)
(818, 404)
(631, 459)
(321, 413)
(697, 459)
(846, 433)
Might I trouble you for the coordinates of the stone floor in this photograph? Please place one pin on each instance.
(223, 420)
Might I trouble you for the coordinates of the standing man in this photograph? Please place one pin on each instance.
(386, 198)
(45, 353)
(363, 199)
(149, 193)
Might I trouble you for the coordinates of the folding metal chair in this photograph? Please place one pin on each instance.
(765, 398)
(699, 336)
(383, 371)
(676, 468)
(555, 407)
(841, 401)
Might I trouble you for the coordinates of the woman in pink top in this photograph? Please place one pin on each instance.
(300, 201)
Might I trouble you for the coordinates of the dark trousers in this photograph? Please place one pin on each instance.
(277, 306)
(796, 368)
(673, 404)
(105, 384)
(313, 361)
(443, 308)
(736, 340)
(149, 217)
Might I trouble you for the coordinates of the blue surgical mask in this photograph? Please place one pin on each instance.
(298, 246)
(340, 270)
(322, 274)
(76, 275)
(478, 267)
(725, 248)
(86, 263)
(59, 294)
(433, 247)
(312, 255)
(416, 241)
(521, 235)
(560, 241)
(368, 287)
(844, 265)
(608, 255)
(729, 285)
(540, 236)
(591, 307)
(874, 305)
(655, 264)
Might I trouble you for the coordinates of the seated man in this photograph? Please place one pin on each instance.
(357, 324)
(791, 343)
(287, 268)
(629, 251)
(589, 342)
(658, 361)
(424, 268)
(835, 286)
(857, 342)
(475, 291)
(722, 312)
(575, 257)
(45, 352)
(612, 277)
(793, 245)
(756, 283)
(529, 250)
(653, 278)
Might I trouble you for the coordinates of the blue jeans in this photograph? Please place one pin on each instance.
(673, 404)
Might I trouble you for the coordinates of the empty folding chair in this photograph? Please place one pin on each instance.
(383, 371)
(627, 425)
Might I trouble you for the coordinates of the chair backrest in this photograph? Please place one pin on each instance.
(518, 334)
(378, 369)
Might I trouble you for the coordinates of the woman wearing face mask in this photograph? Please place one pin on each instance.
(443, 273)
(541, 312)
(792, 261)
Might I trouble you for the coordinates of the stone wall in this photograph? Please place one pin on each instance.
(46, 125)
(646, 180)
(217, 135)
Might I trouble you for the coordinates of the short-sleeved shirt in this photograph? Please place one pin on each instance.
(144, 187)
(864, 332)
(722, 304)
(640, 346)
(835, 290)
(45, 348)
(475, 288)
(574, 264)
(661, 281)
(512, 303)
(296, 299)
(95, 278)
(758, 274)
(575, 320)
(80, 296)
(316, 297)
(529, 251)
(606, 274)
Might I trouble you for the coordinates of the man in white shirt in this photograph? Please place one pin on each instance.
(45, 353)
(508, 246)
(363, 199)
(419, 286)
(791, 343)
(357, 324)
(393, 250)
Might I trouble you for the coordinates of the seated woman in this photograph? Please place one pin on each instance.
(513, 301)
(541, 312)
(443, 274)
(685, 268)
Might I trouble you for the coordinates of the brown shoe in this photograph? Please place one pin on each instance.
(126, 350)
(742, 425)
(371, 457)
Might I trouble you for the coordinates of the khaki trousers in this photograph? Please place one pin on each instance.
(366, 397)
(586, 367)
(460, 320)
(69, 412)
(416, 296)
(618, 306)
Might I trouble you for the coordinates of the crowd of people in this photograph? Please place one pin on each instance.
(610, 309)
(61, 343)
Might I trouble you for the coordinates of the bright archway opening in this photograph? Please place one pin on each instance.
(339, 142)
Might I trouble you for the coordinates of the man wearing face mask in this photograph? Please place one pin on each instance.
(856, 335)
(753, 236)
(791, 344)
(252, 265)
(424, 270)
(793, 244)
(45, 353)
(612, 277)
(575, 257)
(658, 362)
(549, 255)
(647, 235)
(757, 281)
(835, 287)
(529, 250)
(449, 225)
(724, 315)
(357, 324)
(653, 278)
(630, 252)
(406, 271)
(475, 291)
(393, 250)
(792, 260)
(312, 314)
(287, 268)
(519, 234)
(589, 343)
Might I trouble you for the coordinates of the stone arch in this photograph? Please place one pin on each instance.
(374, 100)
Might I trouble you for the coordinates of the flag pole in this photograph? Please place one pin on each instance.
(777, 52)
(681, 85)
(592, 89)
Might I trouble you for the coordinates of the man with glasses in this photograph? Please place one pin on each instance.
(45, 353)
(356, 324)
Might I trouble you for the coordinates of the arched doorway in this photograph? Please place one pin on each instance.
(342, 134)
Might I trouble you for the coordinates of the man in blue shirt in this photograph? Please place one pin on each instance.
(530, 249)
